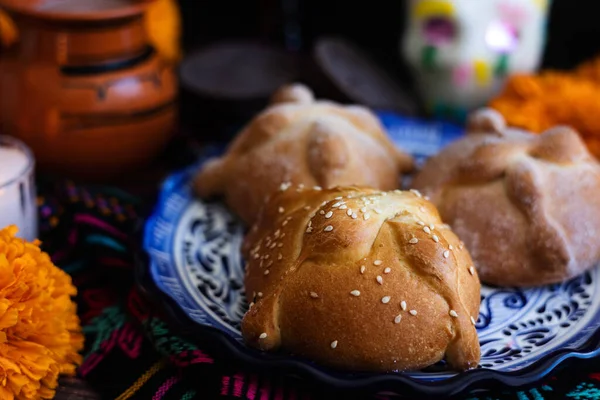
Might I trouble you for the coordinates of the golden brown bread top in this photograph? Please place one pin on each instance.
(300, 140)
(360, 279)
(526, 206)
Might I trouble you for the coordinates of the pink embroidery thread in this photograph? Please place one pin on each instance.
(164, 388)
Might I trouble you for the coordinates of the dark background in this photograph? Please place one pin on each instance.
(573, 32)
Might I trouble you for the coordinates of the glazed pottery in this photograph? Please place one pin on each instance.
(83, 88)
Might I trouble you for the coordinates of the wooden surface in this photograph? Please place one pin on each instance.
(75, 389)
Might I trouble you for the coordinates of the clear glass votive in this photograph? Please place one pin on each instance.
(18, 204)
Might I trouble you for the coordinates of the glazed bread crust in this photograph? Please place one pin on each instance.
(300, 140)
(527, 206)
(360, 279)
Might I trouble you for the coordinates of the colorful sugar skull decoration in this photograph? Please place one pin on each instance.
(461, 51)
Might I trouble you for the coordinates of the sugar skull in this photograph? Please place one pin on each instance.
(461, 51)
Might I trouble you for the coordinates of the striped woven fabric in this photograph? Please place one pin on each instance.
(132, 352)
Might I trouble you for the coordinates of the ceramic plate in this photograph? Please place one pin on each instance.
(193, 251)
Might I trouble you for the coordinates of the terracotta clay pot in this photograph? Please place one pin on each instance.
(83, 88)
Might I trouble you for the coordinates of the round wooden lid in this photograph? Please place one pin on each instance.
(76, 10)
(358, 77)
(238, 70)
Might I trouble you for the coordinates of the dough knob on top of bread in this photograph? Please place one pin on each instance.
(300, 140)
(527, 206)
(360, 279)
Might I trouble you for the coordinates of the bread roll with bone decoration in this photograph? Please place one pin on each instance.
(304, 141)
(527, 206)
(360, 279)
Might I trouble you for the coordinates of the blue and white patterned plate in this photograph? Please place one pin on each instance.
(194, 255)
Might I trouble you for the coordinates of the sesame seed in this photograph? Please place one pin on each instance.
(334, 344)
(328, 228)
(377, 210)
(256, 255)
(387, 270)
(266, 272)
(267, 257)
(377, 262)
(413, 312)
(329, 214)
(447, 254)
(309, 223)
(339, 198)
(367, 216)
(280, 256)
(339, 203)
(301, 186)
(355, 293)
(453, 314)
(362, 269)
(322, 212)
(461, 245)
(413, 241)
(426, 229)
(272, 246)
(281, 210)
(397, 191)
(472, 270)
(349, 212)
(343, 207)
(398, 319)
(279, 244)
(251, 305)
(421, 223)
(403, 305)
(317, 188)
(379, 279)
(277, 233)
(263, 335)
(285, 186)
(473, 321)
(314, 295)
(432, 227)
(450, 247)
(435, 238)
(385, 299)
(259, 294)
(309, 229)
(285, 222)
(354, 216)
(416, 192)
(364, 209)
(307, 208)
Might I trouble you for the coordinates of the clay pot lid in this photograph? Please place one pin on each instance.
(238, 70)
(76, 10)
(360, 78)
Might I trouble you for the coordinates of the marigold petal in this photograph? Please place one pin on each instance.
(40, 333)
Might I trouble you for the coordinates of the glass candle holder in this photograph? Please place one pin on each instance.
(18, 205)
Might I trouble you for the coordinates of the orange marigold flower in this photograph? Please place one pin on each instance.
(40, 334)
(539, 102)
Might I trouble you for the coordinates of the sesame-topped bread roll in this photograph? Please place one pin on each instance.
(527, 206)
(304, 141)
(360, 279)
